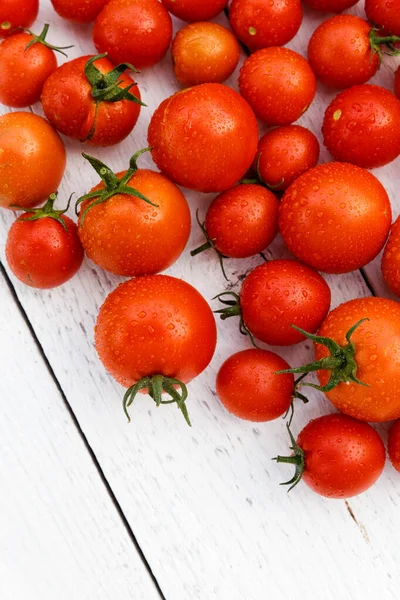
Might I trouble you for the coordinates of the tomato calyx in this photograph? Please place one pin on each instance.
(210, 243)
(41, 39)
(297, 459)
(388, 42)
(45, 212)
(105, 86)
(156, 385)
(112, 184)
(298, 395)
(233, 309)
(341, 361)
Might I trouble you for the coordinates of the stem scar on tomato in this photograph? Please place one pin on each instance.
(112, 184)
(341, 362)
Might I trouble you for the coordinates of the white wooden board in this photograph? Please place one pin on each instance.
(204, 503)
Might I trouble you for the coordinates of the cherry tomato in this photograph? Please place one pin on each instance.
(391, 259)
(325, 213)
(278, 84)
(78, 11)
(277, 295)
(337, 457)
(134, 31)
(204, 53)
(32, 160)
(80, 99)
(330, 6)
(193, 10)
(43, 248)
(125, 234)
(259, 24)
(385, 14)
(249, 388)
(284, 154)
(344, 51)
(240, 222)
(394, 445)
(36, 61)
(155, 332)
(362, 126)
(397, 83)
(17, 13)
(204, 138)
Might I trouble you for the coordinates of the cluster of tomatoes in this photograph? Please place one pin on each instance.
(155, 333)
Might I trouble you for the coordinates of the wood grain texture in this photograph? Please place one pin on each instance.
(61, 536)
(204, 503)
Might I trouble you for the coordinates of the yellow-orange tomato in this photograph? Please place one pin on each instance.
(204, 53)
(32, 160)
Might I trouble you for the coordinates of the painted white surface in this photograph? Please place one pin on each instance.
(204, 503)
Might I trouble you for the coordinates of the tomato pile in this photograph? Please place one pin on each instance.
(155, 333)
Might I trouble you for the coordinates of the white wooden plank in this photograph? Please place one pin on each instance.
(61, 535)
(204, 503)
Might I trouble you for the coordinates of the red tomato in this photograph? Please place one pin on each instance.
(277, 295)
(193, 10)
(330, 6)
(204, 138)
(125, 234)
(249, 388)
(261, 23)
(284, 154)
(77, 100)
(32, 160)
(134, 31)
(344, 51)
(394, 445)
(278, 84)
(241, 222)
(204, 53)
(384, 14)
(79, 11)
(391, 259)
(337, 457)
(325, 214)
(397, 83)
(155, 332)
(43, 248)
(17, 13)
(362, 126)
(37, 62)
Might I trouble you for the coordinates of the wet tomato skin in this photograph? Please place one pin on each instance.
(394, 445)
(248, 387)
(284, 154)
(259, 24)
(128, 236)
(204, 138)
(155, 324)
(325, 213)
(330, 6)
(37, 63)
(69, 106)
(243, 221)
(135, 31)
(385, 14)
(377, 343)
(279, 85)
(391, 259)
(343, 457)
(193, 10)
(340, 52)
(41, 253)
(397, 83)
(281, 293)
(204, 53)
(78, 11)
(17, 13)
(33, 158)
(362, 126)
